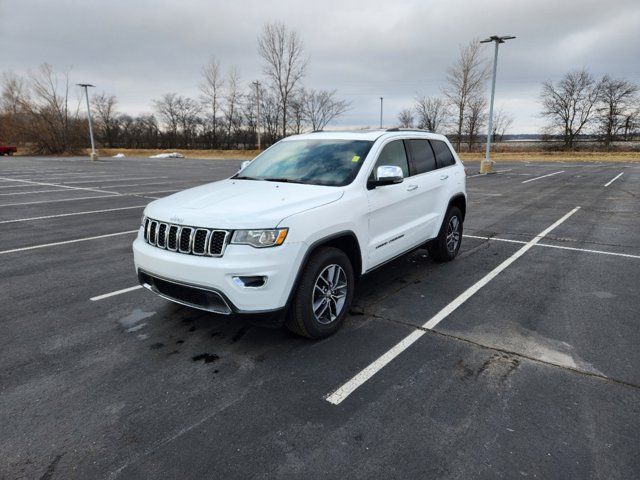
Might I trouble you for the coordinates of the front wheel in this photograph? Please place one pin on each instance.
(323, 296)
(446, 245)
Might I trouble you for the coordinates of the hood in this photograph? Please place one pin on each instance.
(235, 204)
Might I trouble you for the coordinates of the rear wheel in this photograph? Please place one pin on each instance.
(446, 245)
(323, 296)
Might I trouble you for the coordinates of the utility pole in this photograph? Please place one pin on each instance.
(381, 102)
(257, 85)
(486, 166)
(86, 86)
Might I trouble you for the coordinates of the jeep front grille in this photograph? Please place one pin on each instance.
(185, 239)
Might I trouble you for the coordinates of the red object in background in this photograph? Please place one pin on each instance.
(5, 150)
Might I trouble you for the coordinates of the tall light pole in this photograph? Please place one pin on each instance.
(486, 166)
(257, 85)
(86, 94)
(381, 102)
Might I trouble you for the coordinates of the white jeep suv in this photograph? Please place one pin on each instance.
(287, 237)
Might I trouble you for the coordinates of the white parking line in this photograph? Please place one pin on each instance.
(70, 214)
(103, 180)
(613, 179)
(560, 247)
(35, 247)
(543, 176)
(340, 394)
(34, 191)
(113, 294)
(141, 184)
(16, 186)
(484, 175)
(148, 193)
(56, 201)
(55, 185)
(140, 195)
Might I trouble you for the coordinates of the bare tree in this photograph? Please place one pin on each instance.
(233, 97)
(297, 111)
(475, 119)
(51, 124)
(630, 124)
(104, 108)
(211, 88)
(285, 62)
(167, 107)
(569, 104)
(502, 122)
(187, 112)
(465, 81)
(616, 100)
(432, 113)
(321, 107)
(269, 114)
(406, 118)
(14, 94)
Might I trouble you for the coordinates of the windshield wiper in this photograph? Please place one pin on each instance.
(243, 177)
(284, 180)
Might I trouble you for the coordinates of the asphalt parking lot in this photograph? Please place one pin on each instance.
(519, 359)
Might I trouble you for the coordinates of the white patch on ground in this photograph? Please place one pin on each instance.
(603, 295)
(529, 343)
(136, 327)
(119, 155)
(167, 155)
(133, 322)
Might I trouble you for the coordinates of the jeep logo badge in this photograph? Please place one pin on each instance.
(176, 219)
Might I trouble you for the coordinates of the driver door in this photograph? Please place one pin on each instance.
(390, 215)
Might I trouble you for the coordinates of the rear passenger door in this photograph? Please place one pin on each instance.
(430, 187)
(450, 176)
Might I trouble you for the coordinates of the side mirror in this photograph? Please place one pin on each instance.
(387, 175)
(244, 165)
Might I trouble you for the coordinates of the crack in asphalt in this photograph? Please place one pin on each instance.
(493, 234)
(604, 378)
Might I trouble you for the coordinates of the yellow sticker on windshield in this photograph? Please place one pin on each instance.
(355, 159)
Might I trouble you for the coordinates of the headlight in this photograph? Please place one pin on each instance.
(260, 238)
(144, 219)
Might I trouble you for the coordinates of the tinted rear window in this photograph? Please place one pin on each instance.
(444, 157)
(423, 158)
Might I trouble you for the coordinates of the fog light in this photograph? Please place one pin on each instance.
(250, 282)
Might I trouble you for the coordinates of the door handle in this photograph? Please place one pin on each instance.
(444, 177)
(411, 188)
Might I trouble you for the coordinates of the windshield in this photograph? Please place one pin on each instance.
(316, 162)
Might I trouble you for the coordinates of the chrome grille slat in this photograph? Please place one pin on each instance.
(197, 236)
(185, 239)
(162, 235)
(153, 232)
(172, 239)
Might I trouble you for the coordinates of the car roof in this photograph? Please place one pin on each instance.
(370, 135)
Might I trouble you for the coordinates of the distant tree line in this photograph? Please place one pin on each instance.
(39, 111)
(607, 109)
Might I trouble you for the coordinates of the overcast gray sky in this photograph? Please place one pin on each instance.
(140, 49)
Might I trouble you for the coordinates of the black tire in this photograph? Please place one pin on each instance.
(446, 245)
(301, 318)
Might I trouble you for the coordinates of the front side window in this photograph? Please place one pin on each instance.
(315, 162)
(393, 154)
(444, 157)
(422, 154)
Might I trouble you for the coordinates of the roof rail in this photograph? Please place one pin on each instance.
(401, 129)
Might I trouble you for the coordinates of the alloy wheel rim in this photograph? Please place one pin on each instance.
(329, 294)
(453, 234)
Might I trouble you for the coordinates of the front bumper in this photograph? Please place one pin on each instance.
(197, 280)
